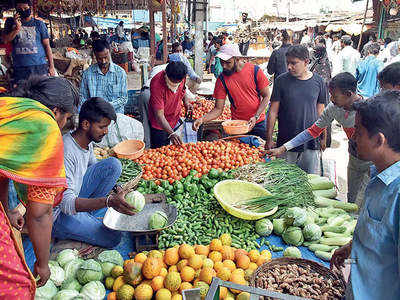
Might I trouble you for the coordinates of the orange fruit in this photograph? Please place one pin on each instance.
(157, 283)
(186, 251)
(196, 262)
(227, 253)
(218, 265)
(163, 272)
(243, 262)
(163, 294)
(151, 267)
(229, 264)
(216, 245)
(239, 280)
(215, 256)
(224, 273)
(172, 269)
(206, 275)
(187, 274)
(171, 256)
(239, 271)
(182, 263)
(261, 259)
(140, 257)
(254, 255)
(201, 250)
(240, 252)
(252, 266)
(185, 286)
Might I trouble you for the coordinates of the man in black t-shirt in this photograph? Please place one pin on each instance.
(298, 98)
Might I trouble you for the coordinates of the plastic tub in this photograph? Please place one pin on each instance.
(130, 149)
(233, 127)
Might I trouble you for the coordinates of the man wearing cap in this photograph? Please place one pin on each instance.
(348, 56)
(247, 89)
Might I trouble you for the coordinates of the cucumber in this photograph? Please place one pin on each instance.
(327, 256)
(331, 193)
(321, 201)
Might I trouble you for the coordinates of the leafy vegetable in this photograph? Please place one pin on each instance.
(94, 290)
(71, 284)
(135, 199)
(279, 226)
(57, 274)
(66, 256)
(89, 270)
(72, 267)
(112, 256)
(66, 295)
(46, 292)
(264, 227)
(292, 252)
(158, 220)
(295, 216)
(293, 236)
(312, 232)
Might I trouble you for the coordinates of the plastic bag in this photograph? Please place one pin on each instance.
(125, 128)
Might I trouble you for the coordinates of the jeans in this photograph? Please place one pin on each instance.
(308, 160)
(259, 130)
(144, 99)
(357, 180)
(88, 227)
(244, 47)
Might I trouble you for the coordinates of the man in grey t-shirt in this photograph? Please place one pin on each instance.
(84, 203)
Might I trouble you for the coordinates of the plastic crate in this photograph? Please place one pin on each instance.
(133, 102)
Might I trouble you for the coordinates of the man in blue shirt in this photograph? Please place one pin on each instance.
(105, 79)
(30, 41)
(374, 252)
(367, 72)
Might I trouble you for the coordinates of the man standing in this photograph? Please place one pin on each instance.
(348, 56)
(247, 88)
(277, 62)
(30, 41)
(374, 249)
(119, 31)
(84, 203)
(297, 100)
(105, 79)
(367, 72)
(167, 92)
(244, 29)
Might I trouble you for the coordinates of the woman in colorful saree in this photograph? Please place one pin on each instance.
(31, 154)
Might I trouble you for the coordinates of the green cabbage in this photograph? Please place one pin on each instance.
(135, 199)
(94, 290)
(89, 270)
(46, 292)
(72, 267)
(292, 252)
(312, 232)
(293, 236)
(264, 227)
(66, 295)
(279, 226)
(57, 274)
(71, 284)
(158, 220)
(108, 259)
(295, 216)
(53, 263)
(66, 256)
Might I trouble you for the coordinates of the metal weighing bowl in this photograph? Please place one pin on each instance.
(139, 223)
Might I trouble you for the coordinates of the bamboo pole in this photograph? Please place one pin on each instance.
(363, 24)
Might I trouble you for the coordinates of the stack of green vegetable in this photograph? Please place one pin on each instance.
(130, 170)
(200, 217)
(74, 278)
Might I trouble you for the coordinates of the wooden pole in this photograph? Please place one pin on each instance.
(362, 27)
(173, 17)
(164, 30)
(152, 34)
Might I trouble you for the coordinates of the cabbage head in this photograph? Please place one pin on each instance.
(295, 216)
(66, 295)
(46, 292)
(57, 274)
(158, 220)
(94, 290)
(108, 260)
(135, 199)
(293, 236)
(72, 267)
(279, 226)
(312, 232)
(66, 256)
(292, 252)
(53, 263)
(71, 284)
(264, 227)
(89, 270)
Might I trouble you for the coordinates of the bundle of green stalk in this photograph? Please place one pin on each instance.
(288, 184)
(130, 170)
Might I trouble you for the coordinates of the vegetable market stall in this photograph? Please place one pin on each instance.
(189, 177)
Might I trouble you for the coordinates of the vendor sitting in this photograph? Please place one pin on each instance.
(78, 217)
(105, 79)
(167, 91)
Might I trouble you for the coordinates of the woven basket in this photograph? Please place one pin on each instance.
(316, 267)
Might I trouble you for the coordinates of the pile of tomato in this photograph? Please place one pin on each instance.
(202, 106)
(175, 162)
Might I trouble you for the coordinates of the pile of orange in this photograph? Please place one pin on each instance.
(175, 162)
(165, 274)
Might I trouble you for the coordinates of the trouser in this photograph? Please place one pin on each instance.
(259, 129)
(160, 138)
(244, 47)
(21, 73)
(88, 227)
(144, 99)
(357, 179)
(308, 160)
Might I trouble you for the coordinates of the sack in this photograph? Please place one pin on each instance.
(125, 128)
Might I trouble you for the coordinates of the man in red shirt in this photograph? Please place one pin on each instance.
(167, 92)
(247, 89)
